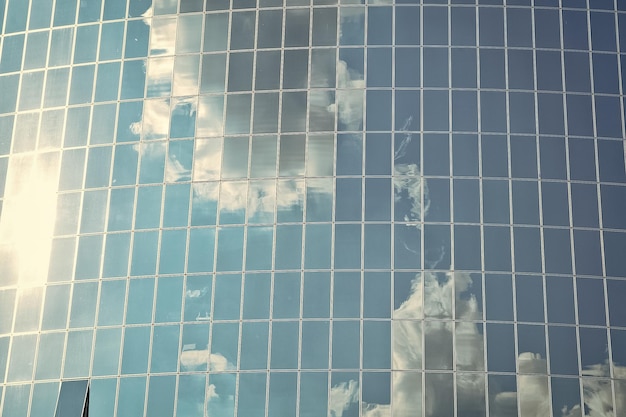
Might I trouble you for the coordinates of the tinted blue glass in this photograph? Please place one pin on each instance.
(491, 27)
(291, 245)
(89, 12)
(551, 114)
(497, 242)
(463, 68)
(12, 50)
(553, 158)
(407, 26)
(611, 165)
(500, 347)
(463, 26)
(16, 17)
(135, 351)
(467, 247)
(379, 29)
(587, 241)
(564, 340)
(132, 397)
(40, 13)
(557, 251)
(608, 117)
(72, 398)
(614, 262)
(64, 12)
(602, 31)
(605, 74)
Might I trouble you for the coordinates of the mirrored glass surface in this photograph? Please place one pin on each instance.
(444, 182)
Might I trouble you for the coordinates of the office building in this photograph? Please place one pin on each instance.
(312, 208)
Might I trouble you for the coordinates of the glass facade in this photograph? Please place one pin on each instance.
(241, 208)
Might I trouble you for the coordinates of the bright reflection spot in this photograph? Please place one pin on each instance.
(28, 216)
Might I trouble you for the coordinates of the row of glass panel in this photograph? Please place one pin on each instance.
(399, 67)
(376, 154)
(319, 111)
(283, 201)
(464, 156)
(314, 295)
(65, 11)
(548, 62)
(353, 249)
(353, 25)
(321, 394)
(406, 61)
(290, 345)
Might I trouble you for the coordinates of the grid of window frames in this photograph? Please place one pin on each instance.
(305, 208)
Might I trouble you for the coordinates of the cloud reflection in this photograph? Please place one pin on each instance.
(198, 359)
(429, 296)
(342, 396)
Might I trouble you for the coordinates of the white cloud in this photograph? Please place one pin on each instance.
(342, 396)
(210, 116)
(197, 293)
(175, 170)
(211, 392)
(376, 410)
(162, 35)
(408, 185)
(411, 308)
(156, 118)
(194, 359)
(598, 397)
(259, 197)
(198, 359)
(534, 398)
(407, 344)
(207, 160)
(205, 191)
(407, 399)
(350, 98)
(155, 123)
(159, 76)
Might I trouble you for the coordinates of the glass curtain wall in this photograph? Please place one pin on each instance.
(241, 208)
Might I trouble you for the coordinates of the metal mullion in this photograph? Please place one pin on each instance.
(2, 32)
(16, 110)
(362, 223)
(422, 341)
(211, 323)
(43, 91)
(332, 254)
(481, 225)
(392, 372)
(333, 219)
(275, 222)
(481, 209)
(304, 212)
(596, 157)
(453, 275)
(149, 364)
(160, 232)
(566, 139)
(137, 187)
(74, 28)
(511, 224)
(270, 326)
(606, 298)
(245, 226)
